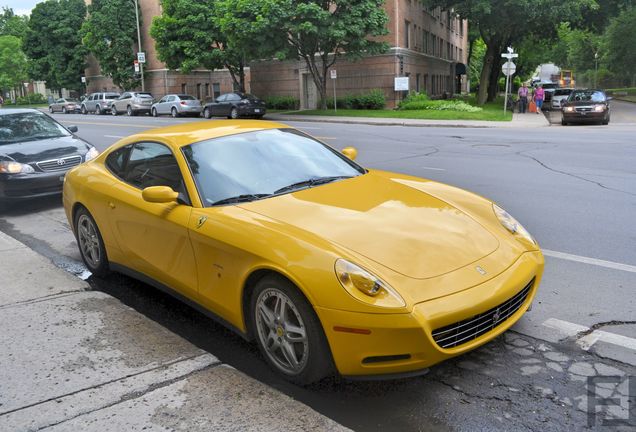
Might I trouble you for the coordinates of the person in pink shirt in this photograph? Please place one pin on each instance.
(539, 95)
(523, 98)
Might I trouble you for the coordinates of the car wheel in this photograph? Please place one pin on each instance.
(288, 332)
(90, 243)
(174, 113)
(234, 113)
(129, 111)
(207, 114)
(154, 112)
(113, 110)
(64, 110)
(563, 123)
(84, 110)
(98, 110)
(606, 121)
(51, 110)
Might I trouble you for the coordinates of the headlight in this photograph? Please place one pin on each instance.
(511, 224)
(568, 109)
(599, 108)
(10, 167)
(366, 287)
(91, 154)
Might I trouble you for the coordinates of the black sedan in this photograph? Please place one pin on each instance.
(35, 153)
(235, 105)
(586, 106)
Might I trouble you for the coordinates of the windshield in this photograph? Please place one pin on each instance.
(186, 97)
(587, 96)
(258, 164)
(112, 96)
(72, 100)
(144, 95)
(562, 92)
(29, 126)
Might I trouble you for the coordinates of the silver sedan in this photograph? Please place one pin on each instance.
(177, 105)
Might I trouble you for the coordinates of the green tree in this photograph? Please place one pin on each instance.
(319, 31)
(13, 63)
(110, 33)
(54, 45)
(188, 35)
(620, 46)
(12, 24)
(503, 23)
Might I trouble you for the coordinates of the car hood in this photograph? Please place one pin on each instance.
(41, 150)
(394, 225)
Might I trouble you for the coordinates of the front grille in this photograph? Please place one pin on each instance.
(471, 328)
(62, 164)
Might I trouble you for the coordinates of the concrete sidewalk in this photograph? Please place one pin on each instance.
(528, 120)
(74, 359)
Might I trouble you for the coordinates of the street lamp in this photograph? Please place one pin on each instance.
(595, 67)
(141, 65)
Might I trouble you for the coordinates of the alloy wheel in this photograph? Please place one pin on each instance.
(234, 113)
(129, 111)
(88, 239)
(281, 331)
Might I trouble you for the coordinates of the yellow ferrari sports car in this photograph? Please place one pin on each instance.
(328, 266)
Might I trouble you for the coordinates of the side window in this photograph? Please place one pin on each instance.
(163, 99)
(170, 99)
(59, 101)
(153, 164)
(116, 161)
(234, 97)
(221, 98)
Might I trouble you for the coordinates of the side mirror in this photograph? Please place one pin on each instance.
(159, 194)
(350, 152)
(72, 129)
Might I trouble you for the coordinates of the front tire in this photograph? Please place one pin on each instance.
(51, 109)
(113, 110)
(98, 110)
(91, 244)
(64, 110)
(207, 114)
(288, 332)
(174, 113)
(234, 114)
(563, 123)
(129, 111)
(154, 112)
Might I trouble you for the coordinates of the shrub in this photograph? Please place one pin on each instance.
(373, 100)
(420, 101)
(35, 98)
(282, 102)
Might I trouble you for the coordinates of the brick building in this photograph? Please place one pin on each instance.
(426, 44)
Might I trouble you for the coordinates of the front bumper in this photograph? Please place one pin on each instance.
(403, 343)
(33, 185)
(584, 117)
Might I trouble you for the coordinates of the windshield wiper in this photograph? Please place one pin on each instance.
(309, 183)
(240, 198)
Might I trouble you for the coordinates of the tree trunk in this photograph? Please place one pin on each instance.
(493, 85)
(491, 51)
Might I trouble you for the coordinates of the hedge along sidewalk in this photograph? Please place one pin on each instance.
(487, 114)
(627, 94)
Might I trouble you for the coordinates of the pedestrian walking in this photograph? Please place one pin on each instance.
(539, 95)
(523, 98)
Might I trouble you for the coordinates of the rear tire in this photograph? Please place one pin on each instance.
(288, 331)
(129, 111)
(234, 113)
(154, 112)
(113, 110)
(98, 110)
(64, 110)
(90, 242)
(563, 123)
(174, 113)
(51, 110)
(207, 114)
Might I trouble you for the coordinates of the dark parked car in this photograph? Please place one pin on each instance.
(65, 106)
(99, 102)
(235, 105)
(586, 106)
(35, 153)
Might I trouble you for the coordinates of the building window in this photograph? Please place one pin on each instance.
(216, 87)
(199, 91)
(425, 42)
(417, 82)
(207, 89)
(461, 55)
(184, 88)
(407, 36)
(461, 27)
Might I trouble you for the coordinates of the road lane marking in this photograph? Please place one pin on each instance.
(586, 342)
(434, 169)
(591, 261)
(325, 138)
(114, 136)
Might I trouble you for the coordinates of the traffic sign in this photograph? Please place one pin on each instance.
(401, 84)
(136, 63)
(333, 73)
(508, 68)
(141, 57)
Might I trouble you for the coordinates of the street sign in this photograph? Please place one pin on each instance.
(84, 79)
(508, 68)
(141, 57)
(136, 63)
(401, 84)
(333, 73)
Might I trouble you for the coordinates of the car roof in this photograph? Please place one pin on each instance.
(184, 134)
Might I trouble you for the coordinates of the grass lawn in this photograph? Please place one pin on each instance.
(25, 106)
(491, 112)
(625, 94)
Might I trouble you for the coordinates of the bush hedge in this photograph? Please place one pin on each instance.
(372, 100)
(32, 99)
(419, 101)
(282, 102)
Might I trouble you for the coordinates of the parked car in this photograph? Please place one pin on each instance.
(235, 105)
(132, 103)
(65, 106)
(177, 105)
(559, 95)
(35, 153)
(292, 244)
(586, 106)
(99, 102)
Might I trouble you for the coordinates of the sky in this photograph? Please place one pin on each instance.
(20, 7)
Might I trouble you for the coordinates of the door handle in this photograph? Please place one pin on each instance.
(111, 205)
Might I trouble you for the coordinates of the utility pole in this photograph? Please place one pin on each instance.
(141, 65)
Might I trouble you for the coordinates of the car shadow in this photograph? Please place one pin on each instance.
(28, 206)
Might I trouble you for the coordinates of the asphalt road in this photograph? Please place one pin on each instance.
(574, 188)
